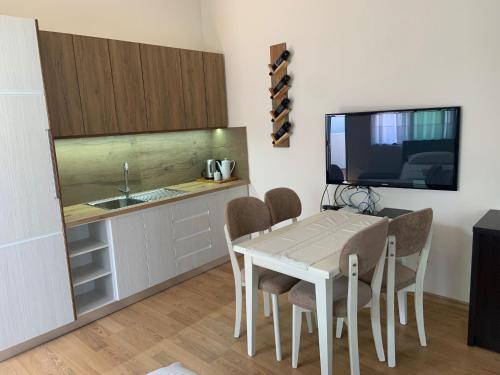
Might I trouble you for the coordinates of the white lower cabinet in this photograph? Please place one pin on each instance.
(160, 254)
(217, 205)
(157, 244)
(191, 236)
(35, 291)
(129, 254)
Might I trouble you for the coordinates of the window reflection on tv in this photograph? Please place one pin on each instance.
(416, 148)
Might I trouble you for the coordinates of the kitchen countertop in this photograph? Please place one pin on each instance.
(83, 213)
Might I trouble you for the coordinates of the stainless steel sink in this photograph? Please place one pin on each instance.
(156, 194)
(114, 203)
(146, 196)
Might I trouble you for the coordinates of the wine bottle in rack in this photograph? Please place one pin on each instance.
(281, 131)
(283, 105)
(280, 60)
(286, 78)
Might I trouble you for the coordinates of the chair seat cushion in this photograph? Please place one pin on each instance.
(304, 295)
(405, 276)
(273, 282)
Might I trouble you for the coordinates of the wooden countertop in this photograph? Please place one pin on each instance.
(83, 213)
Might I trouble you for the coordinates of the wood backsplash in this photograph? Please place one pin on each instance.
(91, 168)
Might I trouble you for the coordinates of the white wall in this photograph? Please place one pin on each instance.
(348, 55)
(175, 23)
(361, 55)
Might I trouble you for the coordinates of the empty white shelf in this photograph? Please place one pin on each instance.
(90, 301)
(85, 246)
(88, 273)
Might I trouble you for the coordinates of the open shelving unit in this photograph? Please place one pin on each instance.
(93, 294)
(90, 262)
(85, 246)
(88, 272)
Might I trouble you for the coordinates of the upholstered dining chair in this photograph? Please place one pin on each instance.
(284, 204)
(246, 216)
(409, 234)
(363, 252)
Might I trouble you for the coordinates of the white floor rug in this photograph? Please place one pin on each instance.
(173, 369)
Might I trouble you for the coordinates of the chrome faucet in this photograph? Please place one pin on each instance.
(126, 190)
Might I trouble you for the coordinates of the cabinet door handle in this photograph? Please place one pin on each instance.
(54, 164)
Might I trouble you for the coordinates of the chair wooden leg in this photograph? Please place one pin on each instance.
(340, 326)
(352, 314)
(267, 304)
(296, 328)
(403, 307)
(391, 335)
(276, 323)
(239, 303)
(309, 322)
(419, 313)
(376, 327)
(353, 343)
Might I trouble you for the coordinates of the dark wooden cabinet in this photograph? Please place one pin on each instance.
(193, 86)
(61, 84)
(215, 89)
(161, 71)
(128, 86)
(484, 307)
(96, 85)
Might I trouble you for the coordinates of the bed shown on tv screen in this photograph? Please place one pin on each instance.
(411, 148)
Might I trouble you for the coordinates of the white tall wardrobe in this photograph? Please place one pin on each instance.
(35, 294)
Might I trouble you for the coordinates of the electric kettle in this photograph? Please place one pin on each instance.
(210, 168)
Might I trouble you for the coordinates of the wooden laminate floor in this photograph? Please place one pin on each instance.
(193, 323)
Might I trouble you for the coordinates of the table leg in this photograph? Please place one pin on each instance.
(391, 334)
(324, 295)
(251, 283)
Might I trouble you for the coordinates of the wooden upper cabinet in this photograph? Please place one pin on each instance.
(215, 88)
(128, 86)
(96, 85)
(193, 86)
(161, 70)
(61, 84)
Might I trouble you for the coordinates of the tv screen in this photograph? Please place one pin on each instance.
(414, 148)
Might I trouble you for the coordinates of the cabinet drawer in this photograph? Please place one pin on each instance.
(195, 260)
(189, 208)
(191, 225)
(192, 244)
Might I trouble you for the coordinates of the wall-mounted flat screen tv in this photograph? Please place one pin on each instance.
(411, 148)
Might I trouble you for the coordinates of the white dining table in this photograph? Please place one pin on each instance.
(309, 250)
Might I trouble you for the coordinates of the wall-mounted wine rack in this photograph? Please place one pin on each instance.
(280, 84)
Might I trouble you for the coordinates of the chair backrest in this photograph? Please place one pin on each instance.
(246, 215)
(283, 203)
(368, 245)
(411, 231)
